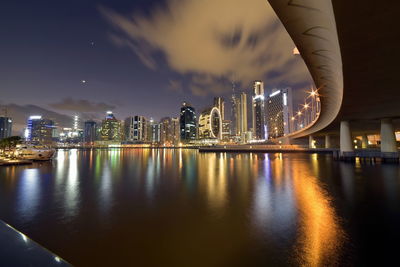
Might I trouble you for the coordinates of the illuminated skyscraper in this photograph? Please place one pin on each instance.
(187, 122)
(90, 132)
(39, 130)
(242, 114)
(111, 128)
(219, 102)
(129, 129)
(210, 124)
(75, 125)
(279, 113)
(258, 111)
(166, 131)
(175, 129)
(234, 112)
(140, 129)
(154, 132)
(226, 130)
(5, 127)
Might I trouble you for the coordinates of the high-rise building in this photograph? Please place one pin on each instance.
(129, 129)
(75, 125)
(242, 114)
(40, 130)
(166, 134)
(234, 111)
(188, 129)
(5, 127)
(111, 128)
(175, 129)
(258, 111)
(219, 102)
(279, 113)
(169, 131)
(90, 132)
(210, 124)
(140, 129)
(226, 130)
(155, 132)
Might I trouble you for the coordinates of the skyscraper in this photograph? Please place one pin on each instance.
(5, 127)
(111, 128)
(234, 111)
(210, 124)
(175, 129)
(226, 130)
(166, 134)
(39, 130)
(187, 122)
(90, 132)
(258, 111)
(242, 115)
(154, 132)
(140, 129)
(129, 129)
(279, 113)
(219, 102)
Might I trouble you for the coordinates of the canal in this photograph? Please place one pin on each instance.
(150, 207)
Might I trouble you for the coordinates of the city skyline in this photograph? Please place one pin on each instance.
(83, 69)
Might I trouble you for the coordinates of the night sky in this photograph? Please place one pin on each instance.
(138, 57)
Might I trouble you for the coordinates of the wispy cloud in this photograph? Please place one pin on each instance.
(81, 105)
(175, 86)
(240, 40)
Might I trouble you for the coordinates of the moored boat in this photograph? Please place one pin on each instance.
(34, 152)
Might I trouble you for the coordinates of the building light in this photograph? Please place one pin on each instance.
(284, 99)
(26, 133)
(35, 117)
(275, 93)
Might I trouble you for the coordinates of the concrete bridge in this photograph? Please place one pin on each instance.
(351, 49)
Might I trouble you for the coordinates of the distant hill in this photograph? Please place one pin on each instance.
(20, 114)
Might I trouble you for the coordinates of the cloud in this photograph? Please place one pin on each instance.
(175, 86)
(240, 40)
(142, 51)
(81, 105)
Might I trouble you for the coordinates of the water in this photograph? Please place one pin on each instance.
(184, 208)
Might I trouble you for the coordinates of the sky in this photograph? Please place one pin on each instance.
(138, 57)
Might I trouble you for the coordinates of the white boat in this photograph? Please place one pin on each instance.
(34, 152)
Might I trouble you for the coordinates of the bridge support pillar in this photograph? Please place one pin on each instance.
(311, 142)
(388, 141)
(364, 141)
(327, 141)
(346, 146)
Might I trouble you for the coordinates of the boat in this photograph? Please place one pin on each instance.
(34, 152)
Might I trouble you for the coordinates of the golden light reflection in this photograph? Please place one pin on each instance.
(321, 235)
(213, 178)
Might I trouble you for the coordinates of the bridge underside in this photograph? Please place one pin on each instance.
(369, 47)
(369, 44)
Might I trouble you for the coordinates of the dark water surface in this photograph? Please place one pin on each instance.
(137, 207)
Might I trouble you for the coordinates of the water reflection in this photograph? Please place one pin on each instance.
(320, 235)
(263, 209)
(29, 194)
(72, 184)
